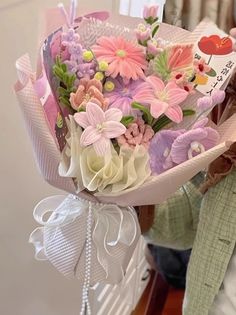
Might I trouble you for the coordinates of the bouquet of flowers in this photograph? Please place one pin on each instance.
(117, 118)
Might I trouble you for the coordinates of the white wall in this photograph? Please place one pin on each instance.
(27, 287)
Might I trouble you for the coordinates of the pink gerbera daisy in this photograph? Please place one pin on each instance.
(124, 58)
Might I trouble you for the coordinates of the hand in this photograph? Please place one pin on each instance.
(233, 33)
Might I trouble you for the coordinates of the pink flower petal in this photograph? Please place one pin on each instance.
(171, 85)
(126, 70)
(175, 114)
(102, 146)
(131, 65)
(144, 93)
(82, 119)
(158, 108)
(156, 83)
(89, 136)
(113, 68)
(113, 114)
(95, 114)
(177, 96)
(113, 129)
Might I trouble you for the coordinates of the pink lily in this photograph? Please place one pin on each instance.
(99, 127)
(163, 99)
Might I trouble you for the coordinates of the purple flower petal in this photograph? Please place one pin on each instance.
(201, 123)
(160, 148)
(212, 138)
(218, 96)
(204, 103)
(123, 95)
(192, 143)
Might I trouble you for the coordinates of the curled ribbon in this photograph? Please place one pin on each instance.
(115, 231)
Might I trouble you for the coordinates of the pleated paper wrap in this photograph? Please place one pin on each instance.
(100, 227)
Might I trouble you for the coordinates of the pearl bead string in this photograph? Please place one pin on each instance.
(85, 308)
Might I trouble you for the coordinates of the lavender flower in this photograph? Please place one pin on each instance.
(76, 50)
(72, 66)
(86, 70)
(70, 37)
(76, 63)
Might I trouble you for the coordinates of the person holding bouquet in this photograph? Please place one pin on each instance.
(202, 216)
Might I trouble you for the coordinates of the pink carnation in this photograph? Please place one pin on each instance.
(138, 133)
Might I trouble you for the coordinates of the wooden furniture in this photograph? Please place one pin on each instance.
(154, 297)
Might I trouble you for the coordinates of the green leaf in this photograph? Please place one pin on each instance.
(64, 101)
(188, 112)
(64, 67)
(144, 42)
(164, 120)
(72, 80)
(193, 78)
(62, 90)
(58, 61)
(161, 66)
(126, 120)
(146, 112)
(211, 73)
(151, 20)
(58, 72)
(155, 30)
(67, 81)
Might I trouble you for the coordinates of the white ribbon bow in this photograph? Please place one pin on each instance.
(113, 227)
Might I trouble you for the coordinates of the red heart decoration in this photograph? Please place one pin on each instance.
(215, 45)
